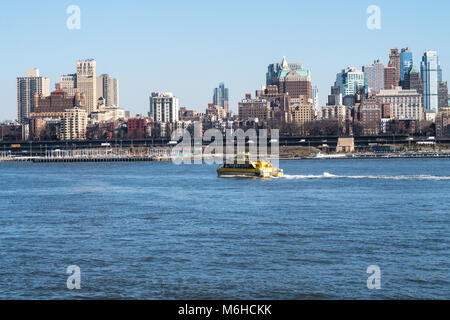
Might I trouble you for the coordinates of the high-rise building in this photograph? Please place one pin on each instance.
(108, 88)
(302, 110)
(389, 77)
(271, 75)
(350, 80)
(164, 107)
(315, 97)
(394, 61)
(250, 109)
(374, 76)
(370, 116)
(290, 78)
(413, 81)
(279, 103)
(443, 122)
(53, 106)
(83, 81)
(406, 62)
(335, 98)
(68, 83)
(220, 97)
(404, 104)
(274, 69)
(443, 95)
(295, 82)
(73, 124)
(431, 77)
(87, 82)
(26, 88)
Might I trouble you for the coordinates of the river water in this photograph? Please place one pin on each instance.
(163, 231)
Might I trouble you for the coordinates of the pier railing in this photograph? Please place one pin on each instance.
(107, 153)
(5, 155)
(104, 155)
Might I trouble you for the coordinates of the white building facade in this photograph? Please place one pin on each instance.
(431, 74)
(108, 88)
(349, 80)
(26, 88)
(404, 104)
(73, 124)
(164, 107)
(83, 81)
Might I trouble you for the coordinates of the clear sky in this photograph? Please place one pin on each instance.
(188, 47)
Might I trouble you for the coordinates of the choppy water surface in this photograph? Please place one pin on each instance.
(157, 230)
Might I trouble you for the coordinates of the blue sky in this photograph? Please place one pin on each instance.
(188, 47)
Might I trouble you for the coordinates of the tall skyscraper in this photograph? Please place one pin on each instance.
(84, 81)
(164, 107)
(394, 60)
(389, 77)
(315, 97)
(335, 97)
(406, 62)
(413, 81)
(26, 88)
(274, 69)
(87, 82)
(290, 78)
(443, 95)
(108, 88)
(220, 97)
(68, 83)
(350, 80)
(431, 73)
(374, 76)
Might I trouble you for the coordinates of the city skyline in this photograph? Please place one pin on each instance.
(241, 71)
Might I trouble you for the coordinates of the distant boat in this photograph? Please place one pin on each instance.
(329, 156)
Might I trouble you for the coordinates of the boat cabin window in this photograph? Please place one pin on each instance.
(238, 166)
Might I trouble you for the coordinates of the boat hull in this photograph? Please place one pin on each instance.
(248, 173)
(237, 173)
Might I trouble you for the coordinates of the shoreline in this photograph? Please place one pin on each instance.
(353, 156)
(436, 155)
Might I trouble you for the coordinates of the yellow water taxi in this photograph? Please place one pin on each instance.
(244, 167)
